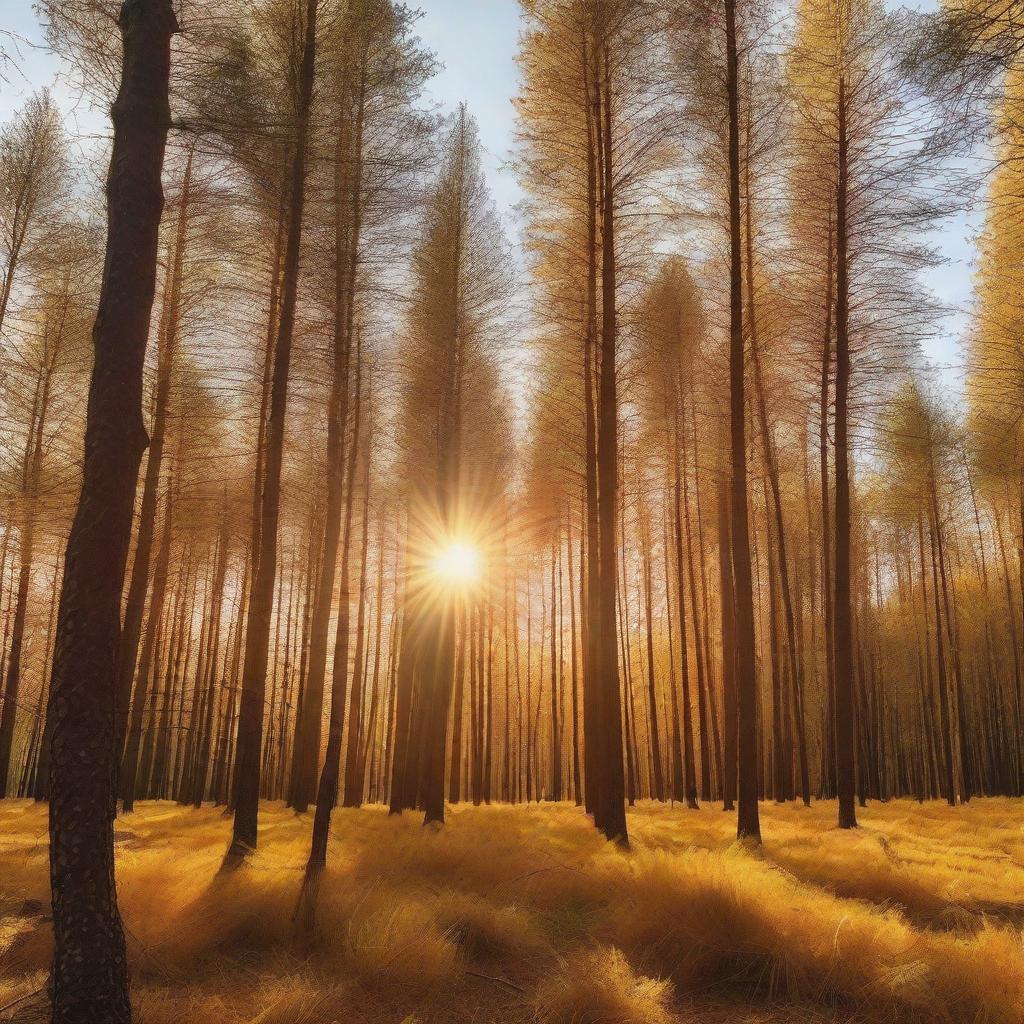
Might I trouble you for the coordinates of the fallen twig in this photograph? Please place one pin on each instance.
(498, 981)
(21, 999)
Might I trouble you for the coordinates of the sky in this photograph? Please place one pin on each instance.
(476, 41)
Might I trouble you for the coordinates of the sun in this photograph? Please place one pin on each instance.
(458, 562)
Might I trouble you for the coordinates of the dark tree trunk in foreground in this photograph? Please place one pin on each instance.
(90, 971)
(748, 825)
(261, 598)
(844, 710)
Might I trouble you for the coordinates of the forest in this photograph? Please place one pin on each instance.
(603, 610)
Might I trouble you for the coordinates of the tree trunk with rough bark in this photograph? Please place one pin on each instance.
(845, 726)
(748, 787)
(261, 597)
(90, 970)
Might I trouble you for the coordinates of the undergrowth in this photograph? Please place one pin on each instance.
(514, 914)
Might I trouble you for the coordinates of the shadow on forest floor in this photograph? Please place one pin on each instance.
(515, 914)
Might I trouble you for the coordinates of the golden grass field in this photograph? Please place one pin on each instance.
(515, 914)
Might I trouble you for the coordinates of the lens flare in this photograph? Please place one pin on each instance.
(459, 562)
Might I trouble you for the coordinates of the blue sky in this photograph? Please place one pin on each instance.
(476, 42)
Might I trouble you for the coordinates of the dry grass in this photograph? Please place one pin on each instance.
(525, 914)
(599, 987)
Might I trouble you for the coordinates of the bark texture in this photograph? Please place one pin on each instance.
(90, 971)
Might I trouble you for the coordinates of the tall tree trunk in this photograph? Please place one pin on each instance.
(748, 823)
(201, 764)
(90, 971)
(170, 329)
(556, 703)
(189, 737)
(261, 597)
(845, 725)
(30, 484)
(172, 673)
(727, 612)
(577, 782)
(703, 696)
(964, 745)
(458, 708)
(705, 632)
(221, 760)
(772, 467)
(628, 713)
(348, 188)
(401, 797)
(652, 698)
(327, 788)
(375, 679)
(130, 757)
(676, 775)
(827, 593)
(488, 753)
(610, 709)
(145, 767)
(353, 795)
(945, 727)
(689, 781)
(480, 676)
(41, 776)
(591, 597)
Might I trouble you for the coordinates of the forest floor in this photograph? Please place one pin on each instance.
(515, 914)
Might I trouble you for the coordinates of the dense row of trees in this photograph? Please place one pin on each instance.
(669, 508)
